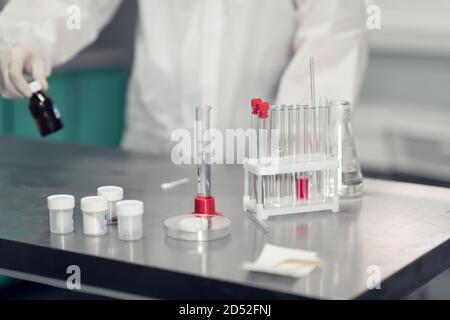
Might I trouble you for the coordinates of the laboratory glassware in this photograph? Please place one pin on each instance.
(302, 180)
(314, 177)
(255, 104)
(277, 130)
(44, 111)
(113, 195)
(61, 213)
(129, 213)
(205, 223)
(263, 134)
(324, 152)
(351, 181)
(300, 171)
(263, 150)
(95, 211)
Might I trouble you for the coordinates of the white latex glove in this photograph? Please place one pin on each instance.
(15, 65)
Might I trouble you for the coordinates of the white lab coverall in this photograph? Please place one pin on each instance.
(216, 52)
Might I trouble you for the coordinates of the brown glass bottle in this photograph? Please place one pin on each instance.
(45, 113)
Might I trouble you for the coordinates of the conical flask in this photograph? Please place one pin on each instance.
(351, 181)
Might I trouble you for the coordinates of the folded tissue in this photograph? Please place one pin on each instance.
(284, 262)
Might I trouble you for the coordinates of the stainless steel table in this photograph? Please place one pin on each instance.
(402, 229)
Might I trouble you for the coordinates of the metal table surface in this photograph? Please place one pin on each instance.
(402, 229)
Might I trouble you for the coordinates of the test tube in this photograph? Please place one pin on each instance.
(277, 151)
(324, 127)
(263, 151)
(324, 146)
(255, 103)
(293, 118)
(301, 180)
(253, 144)
(203, 126)
(314, 179)
(309, 179)
(263, 134)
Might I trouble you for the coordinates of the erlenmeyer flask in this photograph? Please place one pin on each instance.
(351, 182)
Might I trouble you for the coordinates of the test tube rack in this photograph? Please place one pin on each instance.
(295, 168)
(252, 167)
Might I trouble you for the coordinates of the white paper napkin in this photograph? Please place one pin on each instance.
(284, 262)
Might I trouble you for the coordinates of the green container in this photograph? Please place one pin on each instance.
(91, 103)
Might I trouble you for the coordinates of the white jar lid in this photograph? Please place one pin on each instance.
(111, 193)
(35, 86)
(94, 204)
(129, 208)
(61, 202)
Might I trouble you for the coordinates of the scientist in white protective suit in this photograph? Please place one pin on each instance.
(191, 52)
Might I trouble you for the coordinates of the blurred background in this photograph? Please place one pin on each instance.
(401, 123)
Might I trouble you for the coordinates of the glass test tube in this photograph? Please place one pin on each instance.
(324, 147)
(263, 141)
(277, 152)
(263, 151)
(252, 153)
(300, 132)
(253, 144)
(314, 180)
(297, 148)
(255, 104)
(302, 181)
(203, 126)
(289, 140)
(310, 151)
(285, 131)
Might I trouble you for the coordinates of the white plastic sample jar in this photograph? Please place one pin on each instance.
(95, 211)
(112, 195)
(61, 213)
(129, 215)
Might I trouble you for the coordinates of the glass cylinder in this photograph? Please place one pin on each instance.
(203, 126)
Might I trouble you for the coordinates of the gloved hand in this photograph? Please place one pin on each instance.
(17, 63)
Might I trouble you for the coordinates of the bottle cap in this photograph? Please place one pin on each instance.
(111, 193)
(94, 204)
(264, 110)
(61, 202)
(130, 208)
(255, 105)
(35, 86)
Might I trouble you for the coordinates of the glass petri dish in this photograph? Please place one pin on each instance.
(193, 227)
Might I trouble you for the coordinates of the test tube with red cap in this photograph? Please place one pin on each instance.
(255, 104)
(263, 151)
(263, 133)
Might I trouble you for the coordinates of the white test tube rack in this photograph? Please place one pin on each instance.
(290, 166)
